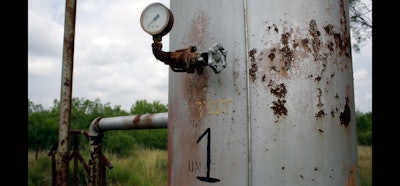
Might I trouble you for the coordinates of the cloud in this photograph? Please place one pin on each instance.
(362, 74)
(45, 36)
(113, 60)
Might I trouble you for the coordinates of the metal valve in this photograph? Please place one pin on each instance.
(187, 60)
(215, 58)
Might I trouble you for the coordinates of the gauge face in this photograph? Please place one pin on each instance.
(156, 19)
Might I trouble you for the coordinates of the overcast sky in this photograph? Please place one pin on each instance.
(113, 61)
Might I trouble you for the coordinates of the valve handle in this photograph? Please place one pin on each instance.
(215, 57)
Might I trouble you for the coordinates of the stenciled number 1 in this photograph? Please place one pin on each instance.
(207, 178)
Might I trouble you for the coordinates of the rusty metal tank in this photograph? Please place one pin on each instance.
(281, 112)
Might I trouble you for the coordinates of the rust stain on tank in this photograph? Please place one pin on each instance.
(199, 32)
(315, 41)
(341, 37)
(340, 43)
(236, 76)
(278, 90)
(320, 113)
(254, 67)
(196, 85)
(330, 46)
(304, 45)
(332, 113)
(276, 29)
(190, 91)
(320, 104)
(286, 52)
(279, 107)
(346, 46)
(284, 56)
(345, 115)
(295, 44)
(271, 55)
(195, 93)
(329, 30)
(293, 47)
(273, 27)
(263, 78)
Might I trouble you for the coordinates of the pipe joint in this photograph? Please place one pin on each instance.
(188, 60)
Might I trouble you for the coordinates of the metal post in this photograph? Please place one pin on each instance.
(95, 147)
(66, 94)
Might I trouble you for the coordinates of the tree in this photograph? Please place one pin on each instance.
(364, 128)
(32, 107)
(360, 22)
(144, 107)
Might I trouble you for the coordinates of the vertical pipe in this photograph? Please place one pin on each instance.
(66, 94)
(95, 162)
(95, 147)
(246, 48)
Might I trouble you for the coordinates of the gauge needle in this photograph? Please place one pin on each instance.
(154, 19)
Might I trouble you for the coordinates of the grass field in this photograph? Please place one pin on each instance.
(148, 168)
(365, 165)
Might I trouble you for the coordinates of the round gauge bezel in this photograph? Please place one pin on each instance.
(161, 29)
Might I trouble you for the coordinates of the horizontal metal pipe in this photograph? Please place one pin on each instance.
(143, 121)
(100, 125)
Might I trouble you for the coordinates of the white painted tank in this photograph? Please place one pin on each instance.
(281, 112)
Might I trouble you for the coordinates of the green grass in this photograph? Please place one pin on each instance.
(365, 165)
(39, 170)
(147, 167)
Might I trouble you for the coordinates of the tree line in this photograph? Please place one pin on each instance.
(43, 125)
(364, 128)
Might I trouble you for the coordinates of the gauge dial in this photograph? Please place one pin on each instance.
(156, 19)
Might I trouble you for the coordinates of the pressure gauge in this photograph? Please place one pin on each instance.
(156, 19)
